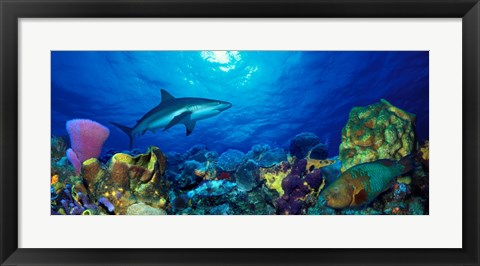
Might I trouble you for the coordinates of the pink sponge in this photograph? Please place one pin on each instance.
(86, 138)
(72, 157)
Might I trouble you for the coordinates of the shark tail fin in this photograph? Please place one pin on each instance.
(127, 131)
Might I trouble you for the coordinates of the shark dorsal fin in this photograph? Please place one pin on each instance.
(165, 95)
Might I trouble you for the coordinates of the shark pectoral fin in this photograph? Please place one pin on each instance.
(190, 125)
(165, 95)
(182, 118)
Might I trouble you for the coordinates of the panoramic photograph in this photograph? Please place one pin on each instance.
(239, 133)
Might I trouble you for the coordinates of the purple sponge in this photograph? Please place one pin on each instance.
(87, 138)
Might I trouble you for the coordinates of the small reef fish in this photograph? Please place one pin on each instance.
(361, 184)
(172, 111)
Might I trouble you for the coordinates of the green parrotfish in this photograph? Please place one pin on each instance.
(361, 184)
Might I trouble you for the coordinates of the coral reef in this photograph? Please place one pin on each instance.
(264, 181)
(377, 131)
(124, 181)
(86, 140)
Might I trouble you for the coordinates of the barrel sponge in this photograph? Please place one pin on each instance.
(86, 138)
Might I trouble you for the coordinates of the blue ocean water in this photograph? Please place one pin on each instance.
(275, 95)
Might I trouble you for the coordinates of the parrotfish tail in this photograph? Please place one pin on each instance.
(127, 131)
(408, 163)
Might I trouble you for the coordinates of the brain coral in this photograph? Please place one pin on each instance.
(230, 160)
(377, 131)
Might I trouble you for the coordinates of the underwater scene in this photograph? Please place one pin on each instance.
(239, 133)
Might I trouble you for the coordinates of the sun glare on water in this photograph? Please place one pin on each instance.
(226, 59)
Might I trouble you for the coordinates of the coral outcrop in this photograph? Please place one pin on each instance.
(377, 131)
(264, 181)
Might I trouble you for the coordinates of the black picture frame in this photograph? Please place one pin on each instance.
(12, 10)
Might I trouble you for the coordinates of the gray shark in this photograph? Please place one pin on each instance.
(172, 111)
